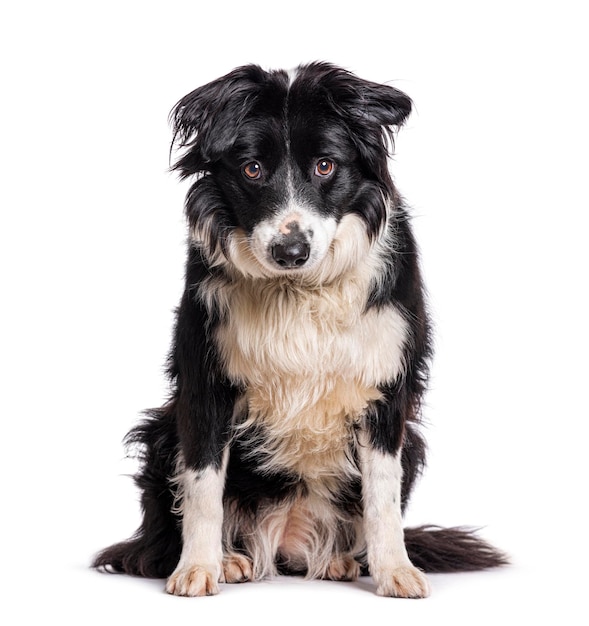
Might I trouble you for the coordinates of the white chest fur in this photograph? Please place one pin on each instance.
(311, 360)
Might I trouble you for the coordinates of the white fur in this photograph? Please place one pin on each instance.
(318, 230)
(386, 553)
(309, 356)
(201, 506)
(292, 75)
(308, 533)
(200, 235)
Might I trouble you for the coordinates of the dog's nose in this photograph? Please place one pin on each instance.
(292, 251)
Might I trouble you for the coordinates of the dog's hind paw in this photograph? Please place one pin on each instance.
(193, 581)
(237, 568)
(343, 568)
(405, 581)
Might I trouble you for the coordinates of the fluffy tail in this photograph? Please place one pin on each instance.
(441, 550)
(154, 550)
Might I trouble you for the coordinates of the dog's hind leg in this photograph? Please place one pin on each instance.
(343, 567)
(237, 568)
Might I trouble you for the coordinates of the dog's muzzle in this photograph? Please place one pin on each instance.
(291, 242)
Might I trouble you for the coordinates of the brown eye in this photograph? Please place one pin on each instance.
(324, 168)
(252, 170)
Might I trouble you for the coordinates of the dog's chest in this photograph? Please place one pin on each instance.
(310, 362)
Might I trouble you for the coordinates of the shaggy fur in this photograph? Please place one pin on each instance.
(290, 443)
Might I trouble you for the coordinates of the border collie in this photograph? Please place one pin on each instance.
(290, 443)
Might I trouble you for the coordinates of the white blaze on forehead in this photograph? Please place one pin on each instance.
(292, 75)
(289, 222)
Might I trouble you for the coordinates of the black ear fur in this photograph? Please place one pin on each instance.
(375, 111)
(206, 120)
(370, 111)
(373, 103)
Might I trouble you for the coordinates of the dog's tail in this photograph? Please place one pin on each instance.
(442, 550)
(154, 550)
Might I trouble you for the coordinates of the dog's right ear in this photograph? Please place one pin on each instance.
(206, 121)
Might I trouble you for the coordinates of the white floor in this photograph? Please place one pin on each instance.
(515, 595)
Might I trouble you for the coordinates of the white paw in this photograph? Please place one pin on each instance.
(237, 568)
(193, 581)
(405, 581)
(343, 568)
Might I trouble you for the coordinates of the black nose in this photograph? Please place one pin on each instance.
(291, 252)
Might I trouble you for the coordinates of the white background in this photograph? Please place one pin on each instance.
(493, 161)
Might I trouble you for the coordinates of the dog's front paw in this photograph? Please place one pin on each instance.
(193, 581)
(405, 581)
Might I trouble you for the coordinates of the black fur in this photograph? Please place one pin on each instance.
(253, 115)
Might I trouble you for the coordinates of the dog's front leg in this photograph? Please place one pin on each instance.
(200, 567)
(379, 453)
(204, 406)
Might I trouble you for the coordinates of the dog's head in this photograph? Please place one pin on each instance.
(282, 159)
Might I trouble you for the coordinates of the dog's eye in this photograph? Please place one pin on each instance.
(252, 170)
(324, 168)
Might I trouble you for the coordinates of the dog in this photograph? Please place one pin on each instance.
(290, 443)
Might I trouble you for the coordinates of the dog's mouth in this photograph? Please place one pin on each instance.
(310, 256)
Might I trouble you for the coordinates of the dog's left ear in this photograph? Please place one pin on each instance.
(371, 112)
(205, 122)
(377, 112)
(384, 104)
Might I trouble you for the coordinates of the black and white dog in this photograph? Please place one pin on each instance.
(301, 349)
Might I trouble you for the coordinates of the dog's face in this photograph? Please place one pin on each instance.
(283, 158)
